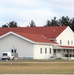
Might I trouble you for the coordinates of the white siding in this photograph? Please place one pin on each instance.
(65, 36)
(43, 55)
(23, 47)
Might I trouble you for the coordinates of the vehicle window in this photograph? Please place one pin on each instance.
(4, 54)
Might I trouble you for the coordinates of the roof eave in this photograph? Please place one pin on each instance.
(44, 43)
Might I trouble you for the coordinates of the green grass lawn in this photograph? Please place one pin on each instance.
(37, 67)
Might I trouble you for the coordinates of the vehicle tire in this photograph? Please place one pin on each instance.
(2, 59)
(8, 59)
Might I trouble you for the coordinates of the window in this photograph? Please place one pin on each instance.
(71, 42)
(15, 51)
(40, 50)
(55, 51)
(45, 50)
(12, 51)
(60, 41)
(50, 50)
(68, 42)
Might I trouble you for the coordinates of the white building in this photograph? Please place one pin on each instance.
(38, 42)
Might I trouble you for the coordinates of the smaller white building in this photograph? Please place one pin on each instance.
(38, 42)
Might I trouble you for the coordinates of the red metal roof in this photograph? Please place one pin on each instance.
(36, 37)
(49, 32)
(67, 47)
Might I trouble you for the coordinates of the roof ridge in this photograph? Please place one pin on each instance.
(43, 36)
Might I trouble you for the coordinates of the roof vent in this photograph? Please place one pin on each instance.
(54, 30)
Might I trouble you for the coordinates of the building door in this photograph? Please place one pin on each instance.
(54, 52)
(14, 53)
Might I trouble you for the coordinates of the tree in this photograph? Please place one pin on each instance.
(4, 26)
(48, 23)
(53, 22)
(10, 24)
(64, 21)
(32, 24)
(72, 24)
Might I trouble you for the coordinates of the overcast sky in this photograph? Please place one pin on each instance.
(23, 11)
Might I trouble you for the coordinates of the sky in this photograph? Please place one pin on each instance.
(23, 11)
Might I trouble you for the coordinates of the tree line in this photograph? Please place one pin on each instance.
(63, 21)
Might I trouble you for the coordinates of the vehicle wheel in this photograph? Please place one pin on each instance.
(8, 59)
(2, 59)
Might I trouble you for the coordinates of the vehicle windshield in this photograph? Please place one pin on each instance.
(4, 54)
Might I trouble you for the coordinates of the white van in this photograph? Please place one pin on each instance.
(7, 56)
